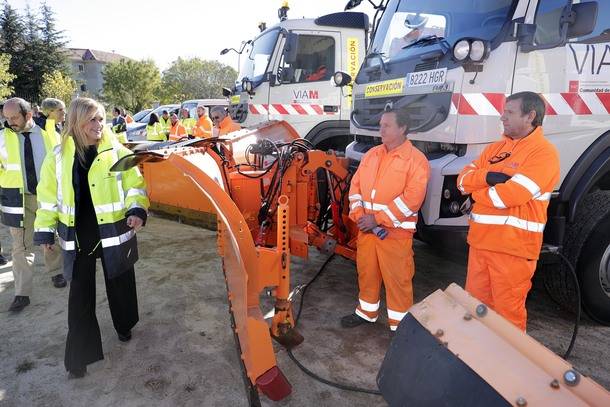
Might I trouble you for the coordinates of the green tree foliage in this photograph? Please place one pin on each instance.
(35, 46)
(57, 85)
(195, 79)
(131, 84)
(12, 40)
(5, 76)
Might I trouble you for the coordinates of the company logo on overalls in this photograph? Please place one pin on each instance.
(393, 87)
(305, 95)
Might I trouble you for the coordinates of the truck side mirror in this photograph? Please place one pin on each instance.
(525, 33)
(291, 48)
(351, 4)
(287, 74)
(584, 18)
(341, 79)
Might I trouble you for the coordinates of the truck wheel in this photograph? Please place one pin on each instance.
(587, 246)
(594, 271)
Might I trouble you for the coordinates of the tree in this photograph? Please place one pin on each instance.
(131, 84)
(35, 46)
(196, 79)
(57, 85)
(53, 42)
(5, 76)
(12, 38)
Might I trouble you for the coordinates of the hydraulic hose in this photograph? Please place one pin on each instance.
(555, 250)
(308, 372)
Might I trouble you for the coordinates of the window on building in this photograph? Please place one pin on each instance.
(315, 60)
(81, 67)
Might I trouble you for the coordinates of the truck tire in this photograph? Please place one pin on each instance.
(587, 246)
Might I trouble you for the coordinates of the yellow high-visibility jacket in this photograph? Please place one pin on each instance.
(11, 176)
(115, 196)
(188, 124)
(156, 132)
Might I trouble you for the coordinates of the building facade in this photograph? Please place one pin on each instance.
(87, 67)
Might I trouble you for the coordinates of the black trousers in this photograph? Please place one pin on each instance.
(84, 342)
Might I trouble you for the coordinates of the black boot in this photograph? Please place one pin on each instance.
(126, 337)
(353, 320)
(77, 373)
(59, 281)
(19, 303)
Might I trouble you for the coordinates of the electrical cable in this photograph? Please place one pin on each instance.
(578, 307)
(308, 372)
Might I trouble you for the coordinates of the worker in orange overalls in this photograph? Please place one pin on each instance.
(203, 128)
(385, 195)
(177, 129)
(223, 124)
(511, 184)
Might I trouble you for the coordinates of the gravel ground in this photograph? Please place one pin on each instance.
(183, 354)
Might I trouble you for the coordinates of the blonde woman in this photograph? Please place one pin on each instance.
(95, 213)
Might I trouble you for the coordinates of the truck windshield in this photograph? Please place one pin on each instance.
(256, 55)
(408, 25)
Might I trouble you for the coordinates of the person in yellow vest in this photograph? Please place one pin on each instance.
(187, 121)
(154, 129)
(203, 128)
(222, 122)
(176, 130)
(23, 147)
(165, 122)
(3, 259)
(119, 125)
(97, 214)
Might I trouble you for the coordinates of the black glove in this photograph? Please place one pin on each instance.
(494, 178)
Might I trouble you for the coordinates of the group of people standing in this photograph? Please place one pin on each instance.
(58, 192)
(169, 127)
(510, 184)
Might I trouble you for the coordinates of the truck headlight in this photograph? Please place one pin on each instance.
(461, 50)
(341, 78)
(478, 50)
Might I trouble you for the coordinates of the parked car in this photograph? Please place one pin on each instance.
(141, 114)
(192, 104)
(136, 131)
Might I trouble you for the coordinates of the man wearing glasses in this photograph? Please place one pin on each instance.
(511, 184)
(222, 122)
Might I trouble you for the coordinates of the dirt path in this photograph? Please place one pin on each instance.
(182, 352)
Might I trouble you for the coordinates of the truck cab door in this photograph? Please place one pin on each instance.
(301, 91)
(571, 72)
(266, 51)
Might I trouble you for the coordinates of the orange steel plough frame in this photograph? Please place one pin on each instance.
(256, 259)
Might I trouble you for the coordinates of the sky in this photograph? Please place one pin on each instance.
(164, 30)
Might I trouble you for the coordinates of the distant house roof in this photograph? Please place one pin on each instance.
(87, 54)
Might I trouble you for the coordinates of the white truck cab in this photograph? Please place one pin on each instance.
(286, 74)
(451, 64)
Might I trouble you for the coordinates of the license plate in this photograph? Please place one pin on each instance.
(427, 78)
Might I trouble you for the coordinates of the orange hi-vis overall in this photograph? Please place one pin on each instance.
(227, 125)
(391, 186)
(507, 220)
(203, 128)
(177, 131)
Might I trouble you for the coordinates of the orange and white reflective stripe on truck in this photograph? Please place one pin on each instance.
(299, 109)
(569, 103)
